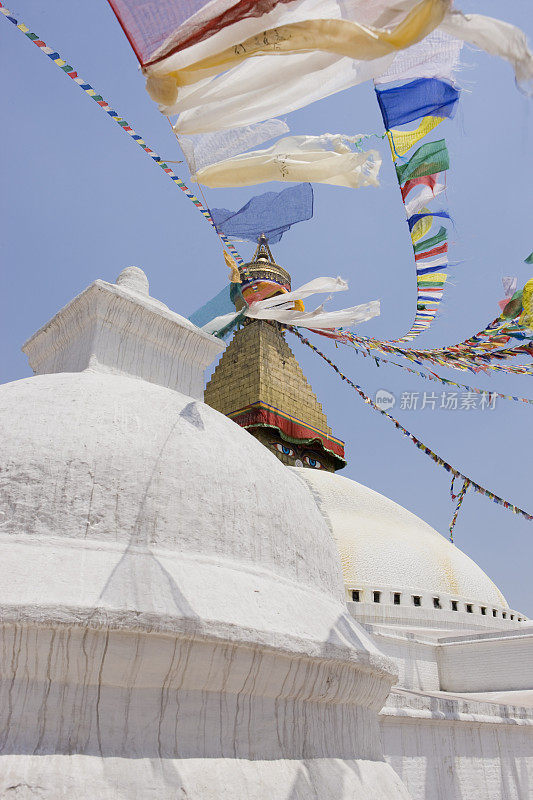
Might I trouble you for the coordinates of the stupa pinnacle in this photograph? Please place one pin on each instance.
(260, 385)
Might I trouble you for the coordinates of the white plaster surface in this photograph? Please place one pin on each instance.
(383, 544)
(415, 658)
(474, 744)
(451, 614)
(449, 748)
(120, 329)
(172, 606)
(490, 662)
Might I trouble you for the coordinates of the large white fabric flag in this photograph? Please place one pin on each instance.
(318, 318)
(348, 29)
(276, 84)
(436, 56)
(280, 309)
(202, 149)
(320, 159)
(259, 89)
(268, 87)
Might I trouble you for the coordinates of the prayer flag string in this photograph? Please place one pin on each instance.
(432, 376)
(431, 100)
(460, 498)
(473, 354)
(420, 445)
(126, 127)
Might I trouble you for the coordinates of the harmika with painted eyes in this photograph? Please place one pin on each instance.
(301, 456)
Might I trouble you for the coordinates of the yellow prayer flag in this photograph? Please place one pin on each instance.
(234, 274)
(526, 317)
(402, 141)
(437, 277)
(421, 227)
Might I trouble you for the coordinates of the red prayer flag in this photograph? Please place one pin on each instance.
(435, 251)
(427, 180)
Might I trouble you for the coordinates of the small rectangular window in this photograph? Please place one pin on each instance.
(436, 602)
(519, 619)
(512, 616)
(483, 610)
(356, 595)
(396, 598)
(417, 600)
(504, 614)
(377, 597)
(454, 605)
(469, 609)
(494, 612)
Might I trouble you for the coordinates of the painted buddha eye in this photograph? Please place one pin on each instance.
(285, 449)
(313, 462)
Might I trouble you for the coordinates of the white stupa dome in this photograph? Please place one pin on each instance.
(172, 600)
(118, 465)
(383, 545)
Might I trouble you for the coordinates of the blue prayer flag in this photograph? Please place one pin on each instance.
(271, 213)
(218, 305)
(416, 217)
(420, 98)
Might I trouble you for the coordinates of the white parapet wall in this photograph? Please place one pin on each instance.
(450, 748)
(415, 656)
(487, 662)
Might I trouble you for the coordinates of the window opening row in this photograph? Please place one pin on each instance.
(417, 601)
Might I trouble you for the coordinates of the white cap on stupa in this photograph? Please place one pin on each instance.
(118, 328)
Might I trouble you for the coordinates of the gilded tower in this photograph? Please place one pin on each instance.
(259, 384)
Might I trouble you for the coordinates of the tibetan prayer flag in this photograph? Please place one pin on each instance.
(529, 259)
(271, 213)
(526, 318)
(436, 280)
(328, 158)
(422, 226)
(427, 194)
(420, 98)
(429, 158)
(439, 237)
(434, 267)
(220, 304)
(496, 37)
(259, 89)
(417, 217)
(436, 56)
(203, 149)
(402, 141)
(234, 274)
(220, 314)
(341, 37)
(435, 251)
(509, 283)
(427, 180)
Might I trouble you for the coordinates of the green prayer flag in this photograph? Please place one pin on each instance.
(427, 244)
(529, 259)
(430, 158)
(430, 284)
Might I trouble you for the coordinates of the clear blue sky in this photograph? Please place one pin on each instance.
(80, 201)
